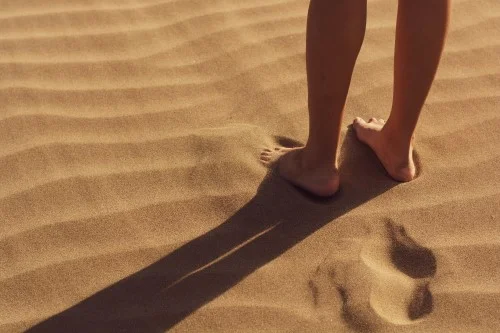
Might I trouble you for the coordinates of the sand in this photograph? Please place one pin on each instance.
(132, 198)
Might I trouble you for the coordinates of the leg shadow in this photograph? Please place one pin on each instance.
(161, 295)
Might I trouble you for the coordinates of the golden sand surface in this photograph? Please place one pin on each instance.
(132, 198)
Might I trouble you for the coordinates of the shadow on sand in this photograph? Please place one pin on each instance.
(161, 295)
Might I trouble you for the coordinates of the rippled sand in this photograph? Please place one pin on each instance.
(132, 199)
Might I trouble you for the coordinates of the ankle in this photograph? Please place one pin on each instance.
(311, 159)
(397, 142)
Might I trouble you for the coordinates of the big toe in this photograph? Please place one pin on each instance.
(357, 124)
(363, 129)
(358, 121)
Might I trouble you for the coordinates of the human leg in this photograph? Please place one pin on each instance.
(335, 31)
(420, 36)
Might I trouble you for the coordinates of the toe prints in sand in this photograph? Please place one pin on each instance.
(387, 281)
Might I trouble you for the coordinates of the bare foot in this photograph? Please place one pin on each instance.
(320, 180)
(399, 166)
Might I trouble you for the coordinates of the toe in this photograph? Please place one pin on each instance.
(359, 124)
(265, 158)
(265, 153)
(358, 121)
(372, 120)
(267, 150)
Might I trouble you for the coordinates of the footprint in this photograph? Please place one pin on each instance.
(409, 257)
(339, 288)
(372, 284)
(402, 270)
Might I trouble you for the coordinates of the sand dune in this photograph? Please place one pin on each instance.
(132, 198)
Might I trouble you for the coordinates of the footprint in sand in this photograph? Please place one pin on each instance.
(402, 272)
(389, 284)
